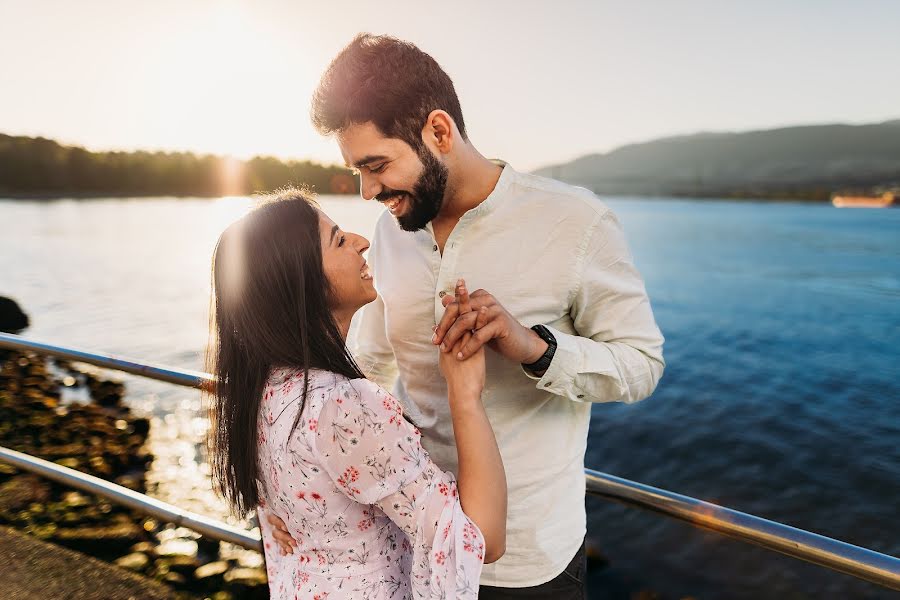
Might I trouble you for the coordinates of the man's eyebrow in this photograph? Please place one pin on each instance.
(369, 159)
(333, 231)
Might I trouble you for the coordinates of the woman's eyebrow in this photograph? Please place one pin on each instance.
(334, 230)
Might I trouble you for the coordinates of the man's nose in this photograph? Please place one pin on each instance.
(368, 186)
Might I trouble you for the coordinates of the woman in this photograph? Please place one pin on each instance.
(301, 434)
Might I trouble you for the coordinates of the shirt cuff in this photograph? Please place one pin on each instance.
(559, 378)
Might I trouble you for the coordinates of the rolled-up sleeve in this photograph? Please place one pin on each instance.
(616, 353)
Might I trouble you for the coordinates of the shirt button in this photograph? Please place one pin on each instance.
(442, 294)
(435, 248)
(581, 395)
(548, 384)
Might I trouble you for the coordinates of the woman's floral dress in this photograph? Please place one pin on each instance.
(373, 517)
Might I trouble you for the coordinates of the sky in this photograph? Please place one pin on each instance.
(539, 82)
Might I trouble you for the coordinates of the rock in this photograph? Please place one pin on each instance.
(211, 572)
(175, 579)
(12, 318)
(181, 564)
(100, 540)
(147, 548)
(136, 561)
(21, 491)
(177, 547)
(247, 582)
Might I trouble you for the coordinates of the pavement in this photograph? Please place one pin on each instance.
(33, 569)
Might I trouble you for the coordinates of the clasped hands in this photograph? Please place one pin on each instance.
(469, 323)
(474, 320)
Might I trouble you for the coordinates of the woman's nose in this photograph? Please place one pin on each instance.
(362, 244)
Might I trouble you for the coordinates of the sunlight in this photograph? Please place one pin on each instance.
(228, 84)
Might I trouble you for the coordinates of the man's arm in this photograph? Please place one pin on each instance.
(617, 352)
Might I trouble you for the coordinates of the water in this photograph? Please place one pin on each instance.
(781, 397)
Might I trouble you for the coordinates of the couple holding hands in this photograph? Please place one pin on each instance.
(411, 461)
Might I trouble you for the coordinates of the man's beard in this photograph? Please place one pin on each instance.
(427, 195)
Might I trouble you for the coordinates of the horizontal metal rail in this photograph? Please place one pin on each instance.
(184, 377)
(142, 503)
(840, 556)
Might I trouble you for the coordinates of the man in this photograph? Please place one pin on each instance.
(562, 306)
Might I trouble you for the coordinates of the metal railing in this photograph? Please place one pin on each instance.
(142, 503)
(833, 554)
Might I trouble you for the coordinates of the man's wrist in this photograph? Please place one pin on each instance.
(540, 364)
(538, 348)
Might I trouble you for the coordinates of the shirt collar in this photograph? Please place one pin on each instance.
(498, 194)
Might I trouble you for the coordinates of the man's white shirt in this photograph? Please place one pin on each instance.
(551, 254)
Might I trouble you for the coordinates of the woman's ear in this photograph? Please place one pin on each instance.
(439, 132)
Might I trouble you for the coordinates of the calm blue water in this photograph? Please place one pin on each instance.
(781, 397)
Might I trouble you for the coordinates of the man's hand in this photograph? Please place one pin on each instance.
(466, 377)
(280, 532)
(485, 321)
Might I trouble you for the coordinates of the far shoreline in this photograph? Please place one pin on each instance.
(718, 197)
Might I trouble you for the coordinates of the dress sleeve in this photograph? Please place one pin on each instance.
(375, 456)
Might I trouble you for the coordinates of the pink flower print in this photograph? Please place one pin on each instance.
(350, 475)
(316, 496)
(393, 406)
(312, 424)
(440, 557)
(368, 521)
(444, 489)
(301, 495)
(469, 536)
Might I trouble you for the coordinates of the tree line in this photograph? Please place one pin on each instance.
(39, 167)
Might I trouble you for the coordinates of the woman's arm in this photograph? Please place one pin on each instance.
(481, 479)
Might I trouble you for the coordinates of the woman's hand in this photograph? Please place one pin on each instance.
(464, 377)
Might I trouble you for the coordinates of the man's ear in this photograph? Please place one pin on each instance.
(440, 132)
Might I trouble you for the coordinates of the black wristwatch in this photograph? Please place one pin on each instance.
(543, 363)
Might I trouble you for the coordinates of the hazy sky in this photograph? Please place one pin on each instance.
(539, 82)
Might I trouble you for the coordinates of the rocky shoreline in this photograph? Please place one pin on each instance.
(101, 437)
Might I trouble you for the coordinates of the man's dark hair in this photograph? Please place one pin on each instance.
(386, 81)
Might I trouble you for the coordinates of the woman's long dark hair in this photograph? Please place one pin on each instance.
(270, 308)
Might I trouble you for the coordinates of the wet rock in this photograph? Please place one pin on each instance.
(211, 574)
(136, 561)
(247, 582)
(100, 540)
(21, 491)
(175, 579)
(177, 547)
(147, 548)
(184, 565)
(12, 318)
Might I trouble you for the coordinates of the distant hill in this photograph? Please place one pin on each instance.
(42, 168)
(807, 162)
